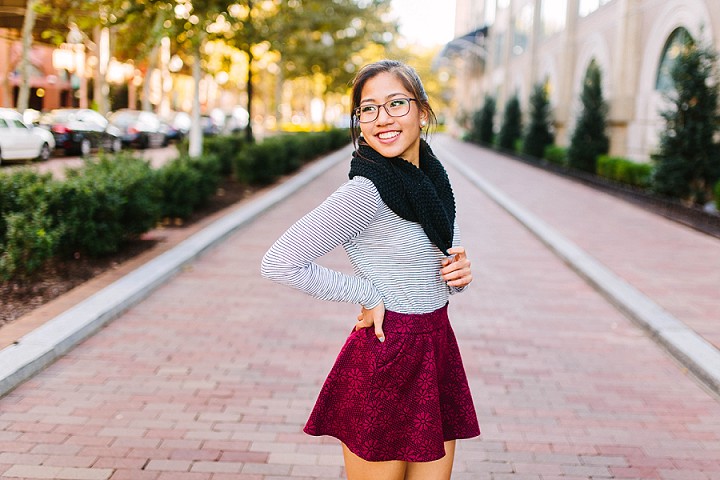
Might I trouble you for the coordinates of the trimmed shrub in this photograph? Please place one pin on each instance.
(539, 130)
(187, 183)
(556, 154)
(511, 129)
(31, 239)
(688, 157)
(339, 137)
(104, 203)
(589, 139)
(624, 171)
(226, 148)
(717, 196)
(29, 236)
(262, 163)
(482, 123)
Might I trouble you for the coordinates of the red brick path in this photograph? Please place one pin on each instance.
(212, 377)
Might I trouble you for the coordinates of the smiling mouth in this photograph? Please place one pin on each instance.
(388, 135)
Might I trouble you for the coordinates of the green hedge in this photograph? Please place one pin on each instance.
(29, 235)
(118, 197)
(624, 171)
(187, 183)
(556, 154)
(262, 163)
(104, 203)
(717, 196)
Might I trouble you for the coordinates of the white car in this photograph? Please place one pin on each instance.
(18, 141)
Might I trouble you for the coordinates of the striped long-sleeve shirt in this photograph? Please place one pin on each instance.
(392, 258)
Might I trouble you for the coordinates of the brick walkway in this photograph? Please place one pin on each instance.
(213, 376)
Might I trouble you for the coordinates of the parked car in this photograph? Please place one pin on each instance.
(177, 126)
(78, 131)
(209, 126)
(139, 128)
(236, 121)
(19, 141)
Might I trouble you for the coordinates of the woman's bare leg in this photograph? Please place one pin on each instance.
(359, 469)
(438, 470)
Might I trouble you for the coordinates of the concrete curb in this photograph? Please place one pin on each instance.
(693, 351)
(42, 346)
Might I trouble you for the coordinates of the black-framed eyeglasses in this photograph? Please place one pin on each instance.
(397, 107)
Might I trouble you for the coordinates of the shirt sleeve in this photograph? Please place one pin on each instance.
(455, 243)
(342, 216)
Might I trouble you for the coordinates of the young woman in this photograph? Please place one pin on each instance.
(397, 397)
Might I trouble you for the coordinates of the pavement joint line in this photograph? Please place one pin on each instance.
(39, 348)
(692, 350)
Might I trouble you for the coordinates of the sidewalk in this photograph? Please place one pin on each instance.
(213, 375)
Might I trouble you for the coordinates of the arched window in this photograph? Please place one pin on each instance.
(676, 44)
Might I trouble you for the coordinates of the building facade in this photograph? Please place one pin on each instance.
(552, 42)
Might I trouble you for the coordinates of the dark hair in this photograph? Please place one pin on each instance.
(405, 73)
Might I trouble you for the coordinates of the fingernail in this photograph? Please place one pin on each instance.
(382, 339)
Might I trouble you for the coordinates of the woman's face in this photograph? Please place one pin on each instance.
(392, 136)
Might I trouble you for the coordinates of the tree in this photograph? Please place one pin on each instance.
(481, 129)
(539, 131)
(687, 164)
(88, 18)
(487, 116)
(511, 129)
(323, 40)
(27, 38)
(589, 139)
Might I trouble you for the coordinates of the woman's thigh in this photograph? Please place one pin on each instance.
(359, 469)
(438, 470)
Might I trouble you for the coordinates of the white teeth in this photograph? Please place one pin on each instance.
(386, 135)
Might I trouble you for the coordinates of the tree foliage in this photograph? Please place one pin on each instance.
(317, 37)
(539, 131)
(481, 128)
(688, 159)
(511, 129)
(589, 139)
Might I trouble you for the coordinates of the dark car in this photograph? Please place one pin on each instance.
(78, 131)
(139, 128)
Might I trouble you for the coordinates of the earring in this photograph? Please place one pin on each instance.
(423, 123)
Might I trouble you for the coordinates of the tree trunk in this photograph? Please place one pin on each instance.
(28, 25)
(248, 129)
(196, 139)
(100, 87)
(152, 61)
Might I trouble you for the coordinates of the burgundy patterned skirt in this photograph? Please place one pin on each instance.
(401, 399)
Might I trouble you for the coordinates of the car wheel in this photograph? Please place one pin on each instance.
(44, 153)
(85, 147)
(116, 145)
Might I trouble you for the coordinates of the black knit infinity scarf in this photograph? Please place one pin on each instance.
(421, 195)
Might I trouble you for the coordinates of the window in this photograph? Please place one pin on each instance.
(553, 16)
(522, 30)
(19, 124)
(676, 44)
(587, 7)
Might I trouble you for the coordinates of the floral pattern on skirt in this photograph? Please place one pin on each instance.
(400, 399)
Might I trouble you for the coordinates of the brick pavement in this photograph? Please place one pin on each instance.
(213, 376)
(676, 266)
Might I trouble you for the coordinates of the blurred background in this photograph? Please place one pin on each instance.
(284, 65)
